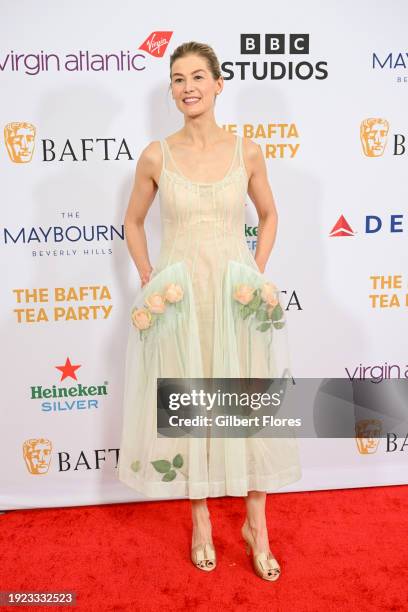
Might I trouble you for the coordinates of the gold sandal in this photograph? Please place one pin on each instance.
(265, 564)
(203, 556)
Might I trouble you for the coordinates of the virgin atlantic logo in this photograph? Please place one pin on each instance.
(156, 43)
(102, 61)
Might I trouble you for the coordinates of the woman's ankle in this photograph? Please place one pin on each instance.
(201, 518)
(202, 531)
(200, 511)
(256, 524)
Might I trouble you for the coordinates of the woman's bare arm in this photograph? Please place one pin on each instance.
(261, 195)
(143, 193)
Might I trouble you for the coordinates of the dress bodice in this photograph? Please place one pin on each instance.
(202, 218)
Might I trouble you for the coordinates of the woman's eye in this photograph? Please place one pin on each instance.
(198, 76)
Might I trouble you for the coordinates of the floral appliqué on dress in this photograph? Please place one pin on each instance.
(156, 305)
(165, 467)
(262, 303)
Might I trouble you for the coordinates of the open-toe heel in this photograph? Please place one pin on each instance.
(265, 565)
(203, 556)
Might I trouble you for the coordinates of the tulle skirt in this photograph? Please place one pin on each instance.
(234, 330)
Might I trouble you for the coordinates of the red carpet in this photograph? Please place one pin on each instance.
(339, 551)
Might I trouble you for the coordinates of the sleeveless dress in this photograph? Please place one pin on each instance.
(193, 320)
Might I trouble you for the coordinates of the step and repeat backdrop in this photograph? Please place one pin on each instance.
(321, 87)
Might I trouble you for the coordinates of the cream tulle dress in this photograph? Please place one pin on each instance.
(208, 332)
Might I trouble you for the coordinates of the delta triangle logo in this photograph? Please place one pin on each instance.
(341, 228)
(156, 43)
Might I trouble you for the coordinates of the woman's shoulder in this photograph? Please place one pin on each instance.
(151, 150)
(250, 148)
(151, 155)
(150, 160)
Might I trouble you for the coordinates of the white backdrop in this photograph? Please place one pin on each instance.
(62, 213)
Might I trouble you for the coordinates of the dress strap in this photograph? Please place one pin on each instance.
(241, 157)
(168, 158)
(163, 155)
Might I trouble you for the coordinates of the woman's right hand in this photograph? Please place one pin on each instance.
(145, 276)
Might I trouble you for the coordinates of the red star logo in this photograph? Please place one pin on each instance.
(68, 370)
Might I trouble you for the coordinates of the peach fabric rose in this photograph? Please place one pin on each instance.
(269, 294)
(173, 293)
(244, 293)
(155, 303)
(141, 318)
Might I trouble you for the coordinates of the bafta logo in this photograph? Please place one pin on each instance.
(373, 135)
(19, 137)
(367, 435)
(37, 455)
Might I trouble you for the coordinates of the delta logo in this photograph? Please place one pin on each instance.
(341, 228)
(374, 132)
(373, 224)
(68, 397)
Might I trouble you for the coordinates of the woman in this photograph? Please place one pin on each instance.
(204, 278)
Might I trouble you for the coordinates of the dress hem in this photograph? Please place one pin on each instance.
(234, 488)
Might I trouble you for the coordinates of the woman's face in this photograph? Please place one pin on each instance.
(193, 85)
